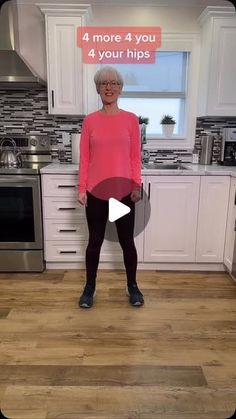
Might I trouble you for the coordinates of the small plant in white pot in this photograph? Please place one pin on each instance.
(168, 124)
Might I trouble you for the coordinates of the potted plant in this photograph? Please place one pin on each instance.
(143, 120)
(168, 124)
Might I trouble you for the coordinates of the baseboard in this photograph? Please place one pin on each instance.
(210, 267)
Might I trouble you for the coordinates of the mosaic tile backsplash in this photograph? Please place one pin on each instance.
(204, 126)
(26, 112)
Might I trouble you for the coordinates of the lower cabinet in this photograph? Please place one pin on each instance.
(65, 230)
(170, 235)
(213, 207)
(65, 225)
(230, 227)
(188, 219)
(187, 222)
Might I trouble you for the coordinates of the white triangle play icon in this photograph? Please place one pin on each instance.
(117, 209)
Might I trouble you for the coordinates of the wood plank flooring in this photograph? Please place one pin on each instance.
(173, 358)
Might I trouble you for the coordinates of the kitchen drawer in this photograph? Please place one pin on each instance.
(55, 230)
(72, 251)
(63, 209)
(65, 251)
(60, 185)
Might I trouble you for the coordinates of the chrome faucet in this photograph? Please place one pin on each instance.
(143, 136)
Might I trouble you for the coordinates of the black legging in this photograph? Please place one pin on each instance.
(97, 215)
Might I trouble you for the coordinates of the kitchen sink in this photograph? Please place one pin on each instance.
(163, 166)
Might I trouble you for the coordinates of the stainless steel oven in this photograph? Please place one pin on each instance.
(21, 231)
(21, 237)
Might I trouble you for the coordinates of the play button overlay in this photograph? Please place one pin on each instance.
(117, 210)
(115, 194)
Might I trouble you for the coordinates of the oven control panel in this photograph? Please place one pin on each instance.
(33, 148)
(30, 143)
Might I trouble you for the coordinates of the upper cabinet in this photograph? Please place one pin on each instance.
(66, 74)
(217, 82)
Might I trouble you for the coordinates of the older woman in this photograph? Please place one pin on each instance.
(110, 166)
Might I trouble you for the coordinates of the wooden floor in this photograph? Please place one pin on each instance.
(175, 357)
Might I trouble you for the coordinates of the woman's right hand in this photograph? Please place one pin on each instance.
(82, 198)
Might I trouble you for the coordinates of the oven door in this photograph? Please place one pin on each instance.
(20, 212)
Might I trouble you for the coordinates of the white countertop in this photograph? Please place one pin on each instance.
(193, 170)
(60, 169)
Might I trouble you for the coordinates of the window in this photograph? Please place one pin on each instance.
(152, 90)
(168, 86)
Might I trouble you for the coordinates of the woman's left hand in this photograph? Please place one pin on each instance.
(135, 195)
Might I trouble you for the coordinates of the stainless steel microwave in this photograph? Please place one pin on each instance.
(228, 151)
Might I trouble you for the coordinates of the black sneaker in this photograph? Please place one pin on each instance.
(135, 295)
(86, 299)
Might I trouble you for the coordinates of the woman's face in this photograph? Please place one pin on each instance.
(109, 88)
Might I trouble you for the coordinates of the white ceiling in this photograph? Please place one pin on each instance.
(189, 3)
(168, 3)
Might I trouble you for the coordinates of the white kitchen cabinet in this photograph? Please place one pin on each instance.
(60, 185)
(170, 235)
(61, 207)
(187, 222)
(65, 251)
(65, 228)
(65, 225)
(230, 226)
(213, 207)
(217, 81)
(66, 73)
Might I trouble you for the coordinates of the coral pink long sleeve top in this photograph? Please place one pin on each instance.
(110, 149)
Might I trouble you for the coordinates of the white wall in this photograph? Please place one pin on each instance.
(171, 19)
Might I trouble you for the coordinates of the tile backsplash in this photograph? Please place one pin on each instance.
(204, 126)
(26, 112)
(162, 155)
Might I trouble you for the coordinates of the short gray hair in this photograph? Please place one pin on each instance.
(100, 74)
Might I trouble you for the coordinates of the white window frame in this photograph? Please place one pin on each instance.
(181, 94)
(188, 42)
(183, 42)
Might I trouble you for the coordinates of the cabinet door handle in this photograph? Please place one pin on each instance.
(66, 209)
(235, 199)
(149, 190)
(67, 231)
(142, 191)
(53, 98)
(66, 186)
(68, 251)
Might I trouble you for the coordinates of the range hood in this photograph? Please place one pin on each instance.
(14, 72)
